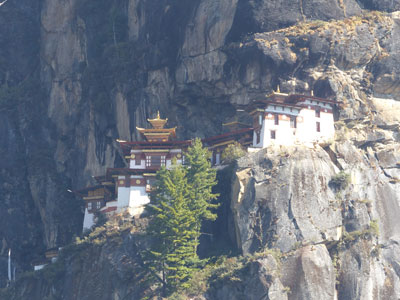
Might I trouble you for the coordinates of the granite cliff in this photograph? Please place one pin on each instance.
(76, 75)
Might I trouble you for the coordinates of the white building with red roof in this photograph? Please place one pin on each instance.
(288, 119)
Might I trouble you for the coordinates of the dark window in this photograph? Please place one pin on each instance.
(258, 133)
(276, 118)
(273, 134)
(318, 127)
(293, 122)
(137, 160)
(156, 161)
(318, 113)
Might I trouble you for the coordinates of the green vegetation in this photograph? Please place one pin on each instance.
(110, 230)
(341, 180)
(202, 178)
(224, 270)
(232, 152)
(347, 25)
(181, 200)
(368, 233)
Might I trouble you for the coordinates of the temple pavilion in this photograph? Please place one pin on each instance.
(128, 188)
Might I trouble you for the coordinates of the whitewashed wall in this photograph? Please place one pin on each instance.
(88, 220)
(305, 131)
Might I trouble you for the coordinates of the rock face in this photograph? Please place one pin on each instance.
(259, 280)
(288, 197)
(274, 211)
(76, 75)
(112, 271)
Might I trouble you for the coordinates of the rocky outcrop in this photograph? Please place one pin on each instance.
(259, 279)
(285, 199)
(309, 274)
(344, 196)
(111, 263)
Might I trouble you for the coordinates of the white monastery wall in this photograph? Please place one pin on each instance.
(305, 130)
(133, 164)
(88, 220)
(327, 125)
(39, 267)
(138, 199)
(123, 196)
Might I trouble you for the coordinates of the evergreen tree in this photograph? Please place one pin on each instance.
(173, 250)
(202, 179)
(181, 200)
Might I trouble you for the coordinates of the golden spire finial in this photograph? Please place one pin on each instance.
(158, 114)
(312, 92)
(278, 90)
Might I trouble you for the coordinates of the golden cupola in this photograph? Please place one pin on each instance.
(157, 133)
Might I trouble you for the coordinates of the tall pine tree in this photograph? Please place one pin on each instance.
(181, 200)
(173, 249)
(202, 178)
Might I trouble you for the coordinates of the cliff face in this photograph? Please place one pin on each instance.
(355, 219)
(76, 75)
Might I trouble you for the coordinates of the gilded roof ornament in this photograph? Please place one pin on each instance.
(157, 122)
(158, 132)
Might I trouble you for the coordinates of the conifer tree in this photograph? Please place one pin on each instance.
(181, 200)
(202, 178)
(173, 252)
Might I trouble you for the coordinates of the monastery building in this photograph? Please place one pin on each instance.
(279, 119)
(283, 119)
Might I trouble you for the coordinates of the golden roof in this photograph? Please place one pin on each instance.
(158, 132)
(158, 123)
(277, 93)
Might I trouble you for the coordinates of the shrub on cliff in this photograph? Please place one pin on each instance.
(341, 180)
(232, 152)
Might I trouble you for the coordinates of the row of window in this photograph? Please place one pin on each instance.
(154, 160)
(293, 119)
(273, 132)
(92, 205)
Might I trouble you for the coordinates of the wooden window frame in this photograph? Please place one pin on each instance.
(293, 122)
(276, 119)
